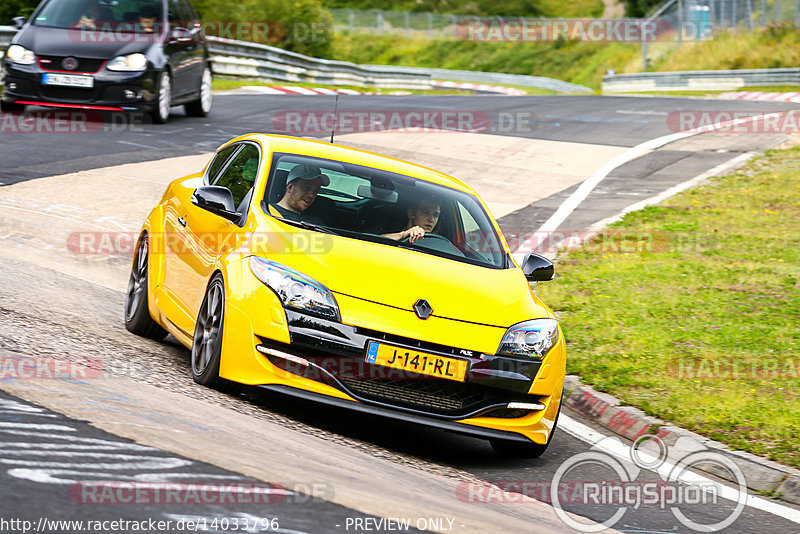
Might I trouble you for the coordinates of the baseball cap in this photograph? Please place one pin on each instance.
(307, 172)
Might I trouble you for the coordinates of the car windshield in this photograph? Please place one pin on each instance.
(378, 206)
(125, 16)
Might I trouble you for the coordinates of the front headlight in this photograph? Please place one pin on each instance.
(295, 289)
(20, 55)
(129, 63)
(530, 339)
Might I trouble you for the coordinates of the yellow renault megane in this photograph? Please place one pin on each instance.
(353, 279)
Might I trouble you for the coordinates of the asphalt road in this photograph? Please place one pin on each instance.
(70, 317)
(618, 121)
(54, 478)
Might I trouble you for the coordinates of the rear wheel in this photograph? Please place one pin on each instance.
(207, 341)
(11, 107)
(137, 312)
(202, 106)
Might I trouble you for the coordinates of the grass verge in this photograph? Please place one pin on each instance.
(760, 88)
(228, 84)
(585, 63)
(691, 310)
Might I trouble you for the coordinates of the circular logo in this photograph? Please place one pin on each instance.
(69, 63)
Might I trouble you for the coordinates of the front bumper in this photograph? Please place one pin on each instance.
(323, 360)
(111, 90)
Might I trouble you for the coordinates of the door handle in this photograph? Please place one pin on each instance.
(182, 221)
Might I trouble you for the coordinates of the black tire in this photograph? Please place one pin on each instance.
(163, 98)
(518, 449)
(207, 340)
(11, 107)
(137, 312)
(202, 106)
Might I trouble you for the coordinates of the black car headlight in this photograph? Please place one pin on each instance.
(530, 339)
(295, 289)
(20, 55)
(131, 63)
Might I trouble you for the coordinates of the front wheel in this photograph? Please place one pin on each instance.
(202, 106)
(161, 113)
(207, 340)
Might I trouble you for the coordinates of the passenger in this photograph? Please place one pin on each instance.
(302, 186)
(422, 217)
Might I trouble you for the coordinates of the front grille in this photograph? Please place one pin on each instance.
(67, 93)
(435, 395)
(84, 64)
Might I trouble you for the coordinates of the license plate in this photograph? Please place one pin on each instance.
(68, 80)
(416, 362)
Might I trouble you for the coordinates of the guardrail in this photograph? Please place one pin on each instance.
(252, 60)
(6, 34)
(539, 82)
(699, 80)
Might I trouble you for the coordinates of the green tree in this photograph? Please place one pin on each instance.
(301, 26)
(16, 8)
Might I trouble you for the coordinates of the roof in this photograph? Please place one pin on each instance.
(311, 147)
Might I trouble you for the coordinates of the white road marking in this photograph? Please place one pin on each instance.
(136, 144)
(620, 450)
(583, 191)
(674, 190)
(634, 112)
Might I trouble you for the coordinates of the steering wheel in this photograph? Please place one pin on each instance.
(435, 243)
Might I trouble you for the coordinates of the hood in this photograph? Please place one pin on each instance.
(400, 277)
(46, 41)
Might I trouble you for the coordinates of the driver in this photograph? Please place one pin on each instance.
(147, 18)
(302, 186)
(90, 16)
(422, 217)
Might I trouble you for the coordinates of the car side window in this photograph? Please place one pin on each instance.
(479, 240)
(185, 10)
(219, 162)
(240, 175)
(179, 16)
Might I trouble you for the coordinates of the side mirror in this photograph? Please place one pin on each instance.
(537, 268)
(218, 200)
(179, 35)
(19, 22)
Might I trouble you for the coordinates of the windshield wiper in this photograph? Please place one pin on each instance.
(311, 226)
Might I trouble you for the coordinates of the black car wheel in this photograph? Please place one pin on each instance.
(207, 341)
(164, 102)
(137, 312)
(202, 106)
(11, 107)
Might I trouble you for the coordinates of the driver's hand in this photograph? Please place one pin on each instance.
(413, 233)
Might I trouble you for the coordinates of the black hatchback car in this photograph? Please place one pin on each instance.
(114, 55)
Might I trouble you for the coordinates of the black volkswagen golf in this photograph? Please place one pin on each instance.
(114, 55)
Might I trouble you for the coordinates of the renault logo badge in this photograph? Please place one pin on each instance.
(422, 309)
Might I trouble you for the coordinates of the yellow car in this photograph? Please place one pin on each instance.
(352, 279)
